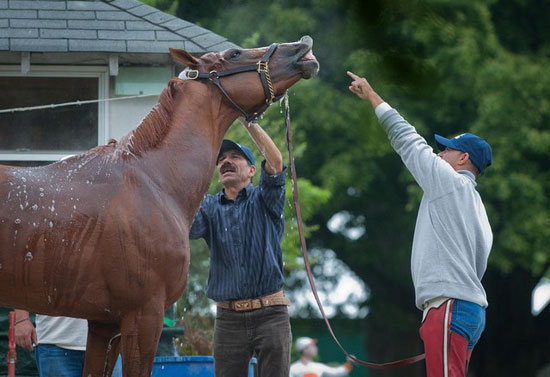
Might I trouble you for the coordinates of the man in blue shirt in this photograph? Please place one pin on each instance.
(243, 226)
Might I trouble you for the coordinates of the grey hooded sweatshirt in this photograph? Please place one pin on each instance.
(452, 238)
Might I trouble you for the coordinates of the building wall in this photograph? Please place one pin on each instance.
(132, 81)
(135, 90)
(125, 115)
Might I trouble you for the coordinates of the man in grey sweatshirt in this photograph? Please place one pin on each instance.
(452, 237)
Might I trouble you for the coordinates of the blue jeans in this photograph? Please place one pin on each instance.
(468, 320)
(54, 361)
(117, 372)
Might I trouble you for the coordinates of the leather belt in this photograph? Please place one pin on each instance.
(273, 299)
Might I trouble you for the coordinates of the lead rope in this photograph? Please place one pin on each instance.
(392, 364)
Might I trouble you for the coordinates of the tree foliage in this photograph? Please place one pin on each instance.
(449, 67)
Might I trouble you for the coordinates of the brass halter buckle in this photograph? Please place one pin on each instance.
(264, 68)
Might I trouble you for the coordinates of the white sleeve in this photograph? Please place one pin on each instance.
(435, 176)
(381, 109)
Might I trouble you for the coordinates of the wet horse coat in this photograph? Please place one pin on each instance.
(104, 235)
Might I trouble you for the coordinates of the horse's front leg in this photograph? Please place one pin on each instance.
(140, 334)
(102, 349)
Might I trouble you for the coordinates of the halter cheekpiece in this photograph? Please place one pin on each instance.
(262, 67)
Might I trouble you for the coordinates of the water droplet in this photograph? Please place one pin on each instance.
(28, 257)
(41, 194)
(51, 224)
(17, 221)
(35, 207)
(41, 189)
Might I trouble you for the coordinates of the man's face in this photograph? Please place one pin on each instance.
(311, 351)
(234, 169)
(454, 157)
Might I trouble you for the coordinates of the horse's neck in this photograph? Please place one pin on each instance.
(178, 141)
(184, 109)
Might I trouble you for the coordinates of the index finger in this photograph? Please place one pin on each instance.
(353, 75)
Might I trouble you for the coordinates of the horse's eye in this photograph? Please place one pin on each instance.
(235, 54)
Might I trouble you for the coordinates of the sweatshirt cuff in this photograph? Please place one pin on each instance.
(381, 109)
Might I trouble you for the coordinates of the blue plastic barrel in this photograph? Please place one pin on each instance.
(179, 366)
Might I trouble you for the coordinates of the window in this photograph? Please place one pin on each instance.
(51, 133)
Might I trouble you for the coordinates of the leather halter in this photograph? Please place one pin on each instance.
(262, 67)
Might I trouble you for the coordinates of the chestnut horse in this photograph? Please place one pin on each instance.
(104, 235)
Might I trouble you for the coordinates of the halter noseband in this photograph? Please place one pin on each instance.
(262, 67)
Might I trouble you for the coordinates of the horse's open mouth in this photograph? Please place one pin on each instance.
(308, 56)
(308, 63)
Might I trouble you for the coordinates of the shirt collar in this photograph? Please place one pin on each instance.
(244, 193)
(469, 175)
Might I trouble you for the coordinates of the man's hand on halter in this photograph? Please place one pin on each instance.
(245, 123)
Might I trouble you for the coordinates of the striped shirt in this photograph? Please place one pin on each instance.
(244, 237)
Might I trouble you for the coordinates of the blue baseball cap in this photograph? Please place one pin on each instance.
(479, 150)
(231, 145)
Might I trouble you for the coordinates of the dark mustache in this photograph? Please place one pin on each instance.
(226, 166)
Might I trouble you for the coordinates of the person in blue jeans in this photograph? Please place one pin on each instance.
(59, 343)
(452, 238)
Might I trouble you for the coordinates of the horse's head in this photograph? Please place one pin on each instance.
(251, 79)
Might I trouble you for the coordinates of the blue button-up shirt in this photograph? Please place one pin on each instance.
(244, 237)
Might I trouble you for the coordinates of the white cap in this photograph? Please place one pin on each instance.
(303, 342)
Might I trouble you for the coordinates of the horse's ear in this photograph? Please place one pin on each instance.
(183, 57)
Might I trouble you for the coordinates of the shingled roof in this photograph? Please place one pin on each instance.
(114, 26)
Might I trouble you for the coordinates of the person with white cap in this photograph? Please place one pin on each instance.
(452, 238)
(306, 367)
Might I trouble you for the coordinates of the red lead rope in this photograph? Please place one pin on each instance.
(12, 355)
(392, 364)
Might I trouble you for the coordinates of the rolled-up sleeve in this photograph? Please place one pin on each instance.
(272, 191)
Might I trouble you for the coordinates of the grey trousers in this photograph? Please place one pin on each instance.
(263, 333)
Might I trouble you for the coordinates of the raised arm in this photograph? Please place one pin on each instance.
(266, 146)
(432, 173)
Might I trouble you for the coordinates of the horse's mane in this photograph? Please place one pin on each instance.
(153, 128)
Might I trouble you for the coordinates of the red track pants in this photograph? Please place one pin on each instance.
(447, 353)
